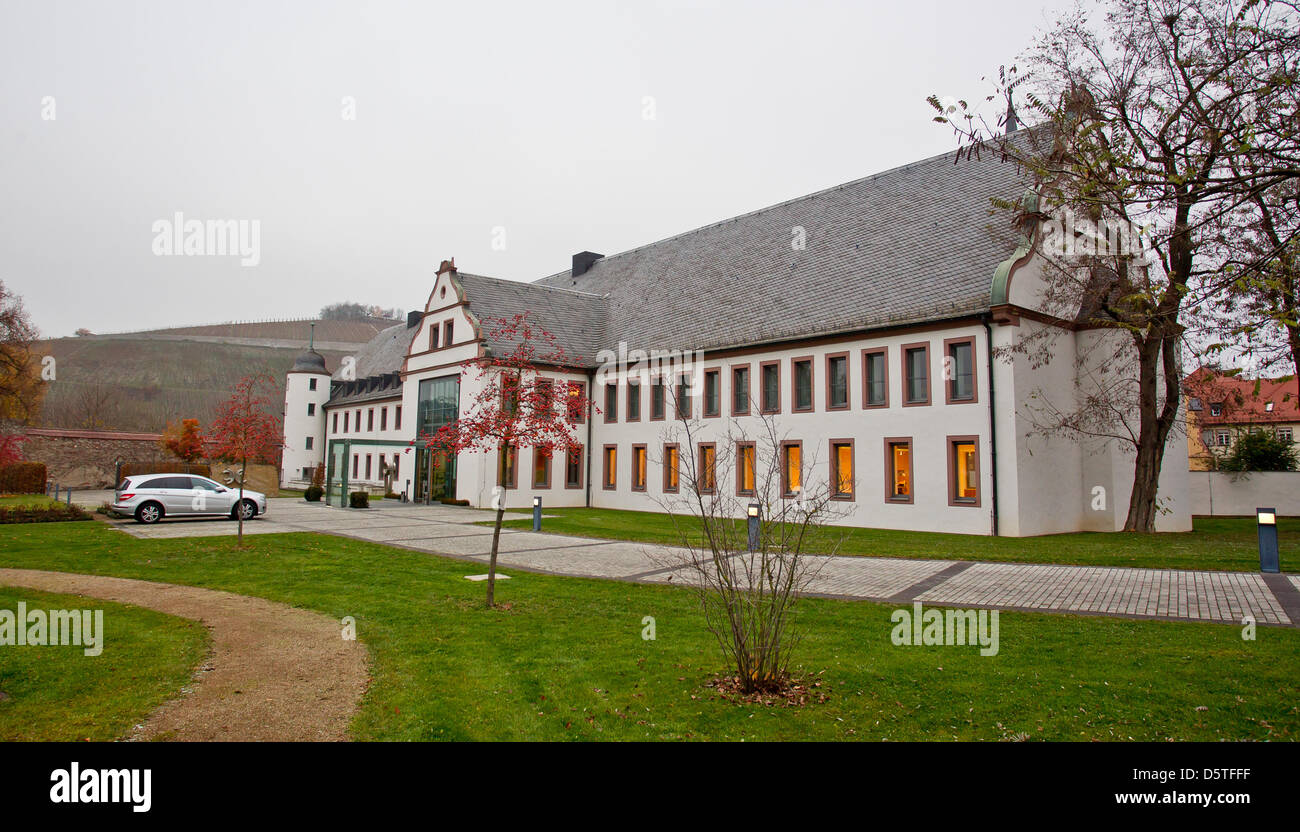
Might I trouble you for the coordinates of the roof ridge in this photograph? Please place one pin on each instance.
(772, 207)
(534, 284)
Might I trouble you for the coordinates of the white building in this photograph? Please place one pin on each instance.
(862, 319)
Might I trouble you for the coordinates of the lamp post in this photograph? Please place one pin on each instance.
(753, 511)
(537, 514)
(1266, 518)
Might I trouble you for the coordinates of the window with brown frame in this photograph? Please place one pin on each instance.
(633, 401)
(770, 384)
(345, 421)
(356, 466)
(609, 471)
(541, 468)
(510, 473)
(899, 487)
(745, 473)
(369, 463)
(842, 476)
(370, 419)
(575, 405)
(573, 467)
(712, 393)
(963, 471)
(837, 381)
(611, 401)
(383, 418)
(708, 473)
(397, 418)
(638, 467)
(672, 469)
(335, 429)
(740, 390)
(684, 392)
(916, 374)
(433, 336)
(791, 468)
(509, 393)
(959, 370)
(657, 397)
(447, 331)
(801, 373)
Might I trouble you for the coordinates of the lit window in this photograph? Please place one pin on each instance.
(842, 469)
(745, 468)
(638, 467)
(671, 468)
(791, 468)
(708, 468)
(611, 466)
(899, 459)
(541, 468)
(964, 472)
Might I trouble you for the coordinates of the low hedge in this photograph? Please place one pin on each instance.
(359, 499)
(313, 493)
(22, 478)
(56, 513)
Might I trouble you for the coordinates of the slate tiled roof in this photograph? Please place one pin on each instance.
(383, 353)
(576, 319)
(916, 243)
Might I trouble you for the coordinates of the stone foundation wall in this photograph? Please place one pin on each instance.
(86, 458)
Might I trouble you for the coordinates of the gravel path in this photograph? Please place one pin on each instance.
(275, 672)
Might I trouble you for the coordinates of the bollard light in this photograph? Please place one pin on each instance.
(753, 525)
(537, 514)
(1266, 518)
(69, 495)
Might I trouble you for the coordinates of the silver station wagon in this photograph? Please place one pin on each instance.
(151, 497)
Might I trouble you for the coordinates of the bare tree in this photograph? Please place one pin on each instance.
(748, 588)
(1169, 117)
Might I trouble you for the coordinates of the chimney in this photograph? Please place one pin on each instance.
(413, 318)
(583, 261)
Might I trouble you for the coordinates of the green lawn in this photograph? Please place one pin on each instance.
(14, 500)
(60, 693)
(567, 660)
(1216, 543)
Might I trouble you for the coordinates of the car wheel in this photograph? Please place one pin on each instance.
(149, 513)
(247, 510)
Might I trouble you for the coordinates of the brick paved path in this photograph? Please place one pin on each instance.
(1143, 593)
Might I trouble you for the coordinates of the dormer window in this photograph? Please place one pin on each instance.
(1268, 407)
(1216, 410)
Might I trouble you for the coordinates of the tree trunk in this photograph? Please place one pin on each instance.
(239, 506)
(1156, 356)
(496, 530)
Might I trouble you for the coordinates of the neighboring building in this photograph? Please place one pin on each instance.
(1221, 407)
(862, 318)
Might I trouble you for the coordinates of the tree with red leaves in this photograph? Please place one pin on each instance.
(515, 408)
(184, 440)
(246, 429)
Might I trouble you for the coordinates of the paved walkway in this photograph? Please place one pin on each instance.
(1141, 593)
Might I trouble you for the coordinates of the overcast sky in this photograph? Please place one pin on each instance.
(506, 135)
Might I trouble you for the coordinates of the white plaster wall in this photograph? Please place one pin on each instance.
(1222, 494)
(929, 426)
(298, 425)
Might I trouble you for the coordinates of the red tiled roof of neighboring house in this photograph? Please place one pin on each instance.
(1244, 401)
